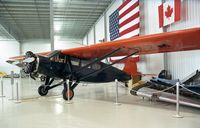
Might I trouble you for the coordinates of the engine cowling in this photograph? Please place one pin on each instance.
(30, 67)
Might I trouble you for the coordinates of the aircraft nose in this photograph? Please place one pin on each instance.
(30, 62)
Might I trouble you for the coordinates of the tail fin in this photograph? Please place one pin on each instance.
(130, 66)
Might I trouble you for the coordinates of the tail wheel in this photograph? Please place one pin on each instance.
(42, 78)
(42, 90)
(66, 93)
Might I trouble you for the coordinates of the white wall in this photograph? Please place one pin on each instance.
(91, 36)
(154, 63)
(100, 30)
(181, 64)
(9, 48)
(36, 45)
(67, 43)
(85, 40)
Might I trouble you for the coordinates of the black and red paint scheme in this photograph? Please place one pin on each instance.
(85, 63)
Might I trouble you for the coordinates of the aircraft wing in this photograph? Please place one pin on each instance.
(181, 40)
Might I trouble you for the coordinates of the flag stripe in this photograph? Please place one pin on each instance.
(131, 34)
(177, 10)
(128, 25)
(127, 6)
(132, 12)
(160, 13)
(124, 22)
(132, 28)
(129, 9)
(133, 17)
(124, 4)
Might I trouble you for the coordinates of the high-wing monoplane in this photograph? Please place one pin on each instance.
(85, 63)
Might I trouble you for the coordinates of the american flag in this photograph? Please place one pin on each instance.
(124, 22)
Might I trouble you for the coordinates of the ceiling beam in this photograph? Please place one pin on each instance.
(10, 29)
(18, 31)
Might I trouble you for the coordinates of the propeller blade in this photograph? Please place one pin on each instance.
(16, 62)
(28, 60)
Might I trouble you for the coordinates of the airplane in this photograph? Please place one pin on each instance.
(85, 63)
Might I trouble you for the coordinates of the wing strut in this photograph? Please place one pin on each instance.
(99, 59)
(92, 73)
(117, 61)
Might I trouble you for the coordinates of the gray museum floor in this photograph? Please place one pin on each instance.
(92, 107)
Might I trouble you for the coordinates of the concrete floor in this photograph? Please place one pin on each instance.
(92, 107)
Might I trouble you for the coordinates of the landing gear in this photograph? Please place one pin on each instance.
(42, 78)
(65, 94)
(43, 90)
(68, 92)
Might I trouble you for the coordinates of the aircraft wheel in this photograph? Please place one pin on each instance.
(65, 94)
(42, 78)
(42, 90)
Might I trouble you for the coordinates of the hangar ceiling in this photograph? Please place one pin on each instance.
(30, 19)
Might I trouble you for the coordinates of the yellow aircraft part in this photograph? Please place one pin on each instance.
(2, 74)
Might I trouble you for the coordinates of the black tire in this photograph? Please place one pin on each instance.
(42, 90)
(65, 94)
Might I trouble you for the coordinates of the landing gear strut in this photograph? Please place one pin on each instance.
(43, 89)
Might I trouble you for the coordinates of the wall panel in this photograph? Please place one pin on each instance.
(9, 48)
(91, 36)
(154, 63)
(100, 30)
(181, 64)
(85, 40)
(36, 45)
(68, 43)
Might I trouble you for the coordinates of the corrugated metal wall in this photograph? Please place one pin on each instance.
(150, 64)
(181, 64)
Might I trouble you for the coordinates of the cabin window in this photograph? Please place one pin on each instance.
(75, 61)
(96, 66)
(85, 62)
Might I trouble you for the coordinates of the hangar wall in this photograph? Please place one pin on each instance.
(67, 43)
(181, 64)
(36, 45)
(9, 48)
(154, 63)
(42, 45)
(85, 40)
(99, 30)
(91, 36)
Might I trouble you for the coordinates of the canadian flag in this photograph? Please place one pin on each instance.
(169, 12)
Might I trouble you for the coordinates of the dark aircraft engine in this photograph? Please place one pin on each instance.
(30, 63)
(35, 64)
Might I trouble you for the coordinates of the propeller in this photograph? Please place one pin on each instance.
(29, 60)
(29, 64)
